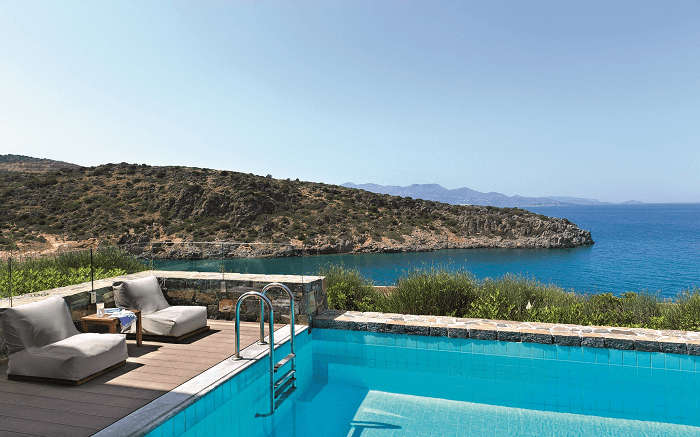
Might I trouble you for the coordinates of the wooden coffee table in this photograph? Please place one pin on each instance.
(112, 324)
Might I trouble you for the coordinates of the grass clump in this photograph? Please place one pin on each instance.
(348, 290)
(43, 273)
(439, 292)
(433, 292)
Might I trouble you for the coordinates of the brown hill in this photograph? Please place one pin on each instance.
(128, 203)
(28, 164)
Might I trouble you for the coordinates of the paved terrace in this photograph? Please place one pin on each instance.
(35, 409)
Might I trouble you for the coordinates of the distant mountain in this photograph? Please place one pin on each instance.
(467, 196)
(29, 164)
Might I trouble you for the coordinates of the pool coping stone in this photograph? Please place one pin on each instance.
(163, 408)
(611, 337)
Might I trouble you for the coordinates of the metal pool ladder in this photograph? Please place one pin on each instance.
(284, 385)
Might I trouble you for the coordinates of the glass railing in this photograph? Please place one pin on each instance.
(22, 273)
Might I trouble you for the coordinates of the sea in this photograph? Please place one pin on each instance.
(653, 248)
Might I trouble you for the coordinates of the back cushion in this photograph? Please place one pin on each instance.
(37, 324)
(140, 294)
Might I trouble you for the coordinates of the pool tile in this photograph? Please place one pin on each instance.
(500, 347)
(589, 355)
(658, 360)
(489, 346)
(696, 360)
(179, 423)
(686, 363)
(190, 418)
(673, 362)
(602, 356)
(466, 346)
(615, 357)
(513, 349)
(158, 432)
(643, 359)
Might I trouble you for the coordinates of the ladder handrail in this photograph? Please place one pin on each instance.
(267, 301)
(286, 383)
(264, 291)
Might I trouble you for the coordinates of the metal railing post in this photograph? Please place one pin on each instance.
(9, 267)
(223, 268)
(92, 274)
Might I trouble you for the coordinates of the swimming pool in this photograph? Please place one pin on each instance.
(355, 383)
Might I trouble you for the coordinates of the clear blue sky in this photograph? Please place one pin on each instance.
(592, 98)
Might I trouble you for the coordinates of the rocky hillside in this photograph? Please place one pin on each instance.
(28, 164)
(127, 203)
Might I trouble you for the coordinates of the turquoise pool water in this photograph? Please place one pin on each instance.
(364, 384)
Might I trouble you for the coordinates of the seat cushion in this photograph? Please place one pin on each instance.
(73, 358)
(175, 321)
(141, 294)
(37, 324)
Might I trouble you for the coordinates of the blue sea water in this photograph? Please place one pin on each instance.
(653, 248)
(364, 384)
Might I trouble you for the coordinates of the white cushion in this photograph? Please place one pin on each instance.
(141, 294)
(73, 358)
(174, 321)
(37, 324)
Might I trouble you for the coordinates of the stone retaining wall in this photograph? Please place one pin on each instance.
(215, 291)
(648, 340)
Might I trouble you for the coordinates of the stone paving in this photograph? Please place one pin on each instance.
(648, 340)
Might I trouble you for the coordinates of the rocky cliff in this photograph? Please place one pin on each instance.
(127, 204)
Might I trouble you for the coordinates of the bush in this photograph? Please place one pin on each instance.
(684, 313)
(43, 273)
(439, 292)
(434, 291)
(348, 290)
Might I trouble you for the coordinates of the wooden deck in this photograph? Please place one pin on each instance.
(33, 409)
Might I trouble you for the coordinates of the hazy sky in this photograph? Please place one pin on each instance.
(591, 98)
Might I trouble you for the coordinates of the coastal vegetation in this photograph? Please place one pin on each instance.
(34, 274)
(431, 291)
(140, 204)
(439, 292)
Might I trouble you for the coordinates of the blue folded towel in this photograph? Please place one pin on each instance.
(126, 317)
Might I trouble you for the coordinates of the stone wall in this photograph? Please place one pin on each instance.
(640, 339)
(220, 296)
(218, 292)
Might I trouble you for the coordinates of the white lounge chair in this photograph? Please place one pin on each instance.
(44, 345)
(160, 321)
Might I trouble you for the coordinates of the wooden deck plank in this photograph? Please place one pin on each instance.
(36, 409)
(11, 427)
(78, 407)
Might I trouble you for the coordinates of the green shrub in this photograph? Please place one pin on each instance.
(439, 292)
(347, 289)
(434, 291)
(491, 306)
(684, 313)
(43, 273)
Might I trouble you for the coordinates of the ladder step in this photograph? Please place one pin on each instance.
(284, 361)
(284, 396)
(283, 388)
(284, 377)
